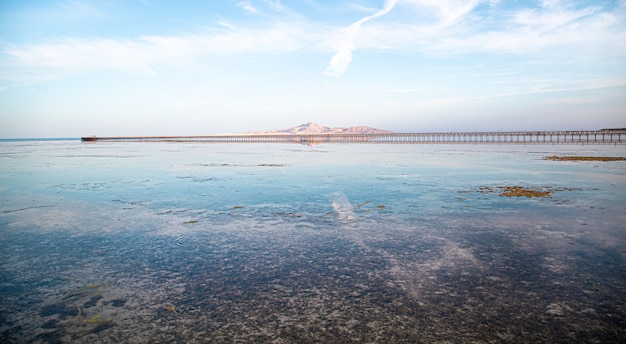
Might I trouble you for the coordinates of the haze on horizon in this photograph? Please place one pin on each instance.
(70, 68)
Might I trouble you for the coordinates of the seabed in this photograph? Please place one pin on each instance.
(259, 250)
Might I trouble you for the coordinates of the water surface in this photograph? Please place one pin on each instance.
(183, 242)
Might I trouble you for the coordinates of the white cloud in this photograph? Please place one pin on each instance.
(447, 12)
(34, 63)
(404, 90)
(226, 24)
(550, 3)
(247, 6)
(446, 27)
(276, 6)
(345, 42)
(83, 55)
(80, 9)
(549, 19)
(458, 28)
(552, 32)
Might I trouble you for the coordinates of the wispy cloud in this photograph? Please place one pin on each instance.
(404, 90)
(447, 12)
(143, 55)
(345, 42)
(406, 35)
(458, 27)
(247, 6)
(588, 85)
(225, 24)
(531, 31)
(276, 6)
(443, 27)
(80, 8)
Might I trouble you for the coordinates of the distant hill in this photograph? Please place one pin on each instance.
(314, 128)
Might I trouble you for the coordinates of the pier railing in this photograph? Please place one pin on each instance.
(509, 137)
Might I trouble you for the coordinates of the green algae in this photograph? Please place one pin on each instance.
(584, 158)
(519, 191)
(94, 319)
(362, 204)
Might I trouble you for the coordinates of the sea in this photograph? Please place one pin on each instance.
(157, 242)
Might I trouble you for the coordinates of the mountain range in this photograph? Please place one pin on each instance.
(314, 128)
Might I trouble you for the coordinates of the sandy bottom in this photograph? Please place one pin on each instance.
(347, 275)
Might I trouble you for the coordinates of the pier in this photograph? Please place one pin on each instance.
(508, 137)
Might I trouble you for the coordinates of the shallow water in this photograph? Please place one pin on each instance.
(171, 242)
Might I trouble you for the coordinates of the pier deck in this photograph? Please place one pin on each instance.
(510, 137)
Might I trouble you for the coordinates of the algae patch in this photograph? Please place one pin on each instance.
(584, 158)
(94, 319)
(519, 191)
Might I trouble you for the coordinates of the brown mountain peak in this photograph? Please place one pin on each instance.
(314, 128)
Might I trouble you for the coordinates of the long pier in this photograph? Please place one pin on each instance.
(508, 137)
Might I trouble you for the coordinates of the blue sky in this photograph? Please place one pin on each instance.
(148, 67)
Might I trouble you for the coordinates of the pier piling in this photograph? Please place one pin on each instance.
(509, 137)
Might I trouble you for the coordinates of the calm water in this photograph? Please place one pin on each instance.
(158, 242)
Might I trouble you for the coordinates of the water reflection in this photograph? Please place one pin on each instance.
(273, 243)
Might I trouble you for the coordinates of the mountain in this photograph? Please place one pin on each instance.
(314, 128)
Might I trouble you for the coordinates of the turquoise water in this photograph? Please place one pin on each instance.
(183, 242)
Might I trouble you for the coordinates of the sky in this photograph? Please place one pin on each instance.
(71, 68)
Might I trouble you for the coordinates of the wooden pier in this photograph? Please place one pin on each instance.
(509, 137)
